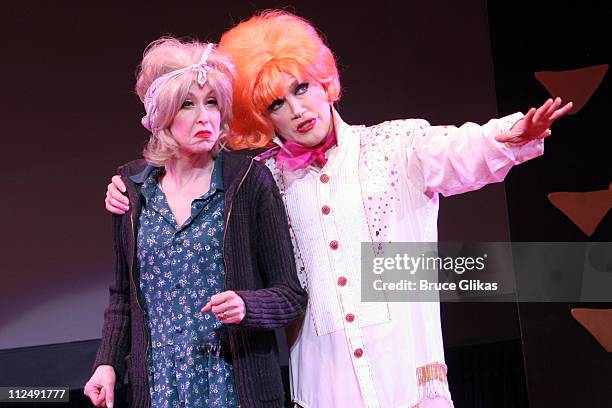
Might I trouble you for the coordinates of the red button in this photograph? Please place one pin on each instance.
(324, 178)
(334, 245)
(325, 209)
(342, 281)
(358, 352)
(350, 317)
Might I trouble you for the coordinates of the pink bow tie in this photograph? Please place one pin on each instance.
(295, 156)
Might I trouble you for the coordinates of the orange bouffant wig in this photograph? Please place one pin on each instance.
(262, 49)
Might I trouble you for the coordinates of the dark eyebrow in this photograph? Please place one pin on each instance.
(296, 84)
(274, 102)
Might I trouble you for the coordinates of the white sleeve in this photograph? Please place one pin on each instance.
(452, 160)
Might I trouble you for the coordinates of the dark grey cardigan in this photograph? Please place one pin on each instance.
(259, 266)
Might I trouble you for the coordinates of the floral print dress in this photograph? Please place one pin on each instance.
(180, 268)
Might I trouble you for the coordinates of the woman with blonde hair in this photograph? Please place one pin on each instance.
(343, 185)
(204, 264)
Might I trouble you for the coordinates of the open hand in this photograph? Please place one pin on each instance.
(536, 123)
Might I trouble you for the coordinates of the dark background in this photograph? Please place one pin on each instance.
(565, 367)
(70, 117)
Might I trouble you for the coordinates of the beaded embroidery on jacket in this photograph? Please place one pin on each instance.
(376, 235)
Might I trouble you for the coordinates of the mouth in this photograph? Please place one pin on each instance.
(306, 125)
(203, 134)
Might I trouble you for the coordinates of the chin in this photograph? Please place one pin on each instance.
(311, 140)
(308, 143)
(201, 149)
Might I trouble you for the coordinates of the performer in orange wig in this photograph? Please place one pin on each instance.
(269, 48)
(343, 185)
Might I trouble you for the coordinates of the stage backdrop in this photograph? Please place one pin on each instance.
(70, 117)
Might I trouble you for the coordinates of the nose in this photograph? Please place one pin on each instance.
(202, 115)
(297, 110)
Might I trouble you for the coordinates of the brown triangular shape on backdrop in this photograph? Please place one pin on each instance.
(598, 322)
(586, 210)
(576, 85)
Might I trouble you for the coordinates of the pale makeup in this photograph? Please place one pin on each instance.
(196, 126)
(303, 114)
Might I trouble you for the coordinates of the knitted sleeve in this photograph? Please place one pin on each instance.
(116, 330)
(283, 299)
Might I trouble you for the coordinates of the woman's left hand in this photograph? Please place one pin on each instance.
(227, 306)
(536, 123)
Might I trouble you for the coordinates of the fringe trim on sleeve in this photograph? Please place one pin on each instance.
(432, 383)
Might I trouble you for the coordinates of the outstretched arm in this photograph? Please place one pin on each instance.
(536, 123)
(452, 160)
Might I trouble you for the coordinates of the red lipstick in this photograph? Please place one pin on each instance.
(306, 125)
(203, 134)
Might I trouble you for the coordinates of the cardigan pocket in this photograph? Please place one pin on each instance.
(129, 364)
(267, 375)
(138, 382)
(131, 386)
(131, 369)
